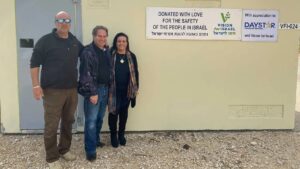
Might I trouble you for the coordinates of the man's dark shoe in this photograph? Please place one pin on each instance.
(91, 158)
(114, 140)
(100, 144)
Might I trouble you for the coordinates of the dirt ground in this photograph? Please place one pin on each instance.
(166, 150)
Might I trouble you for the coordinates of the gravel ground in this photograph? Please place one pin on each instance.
(154, 150)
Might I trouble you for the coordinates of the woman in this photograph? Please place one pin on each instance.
(123, 88)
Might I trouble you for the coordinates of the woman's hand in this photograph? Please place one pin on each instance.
(133, 102)
(94, 99)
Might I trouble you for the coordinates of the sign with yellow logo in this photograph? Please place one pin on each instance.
(193, 23)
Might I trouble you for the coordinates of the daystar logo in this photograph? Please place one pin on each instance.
(225, 17)
(259, 25)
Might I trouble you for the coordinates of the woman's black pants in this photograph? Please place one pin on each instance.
(122, 115)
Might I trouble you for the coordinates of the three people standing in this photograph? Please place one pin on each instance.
(107, 77)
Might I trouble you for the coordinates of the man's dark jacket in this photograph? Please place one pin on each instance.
(89, 65)
(58, 58)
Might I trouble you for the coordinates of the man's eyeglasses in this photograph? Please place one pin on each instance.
(63, 20)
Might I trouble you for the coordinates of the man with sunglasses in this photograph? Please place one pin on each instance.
(58, 53)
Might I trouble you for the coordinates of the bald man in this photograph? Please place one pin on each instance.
(57, 53)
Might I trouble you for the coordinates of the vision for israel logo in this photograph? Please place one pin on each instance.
(225, 17)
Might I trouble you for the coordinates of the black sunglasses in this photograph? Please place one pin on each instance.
(63, 20)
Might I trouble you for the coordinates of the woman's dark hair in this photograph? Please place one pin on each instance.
(114, 47)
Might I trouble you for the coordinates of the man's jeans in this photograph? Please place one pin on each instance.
(94, 114)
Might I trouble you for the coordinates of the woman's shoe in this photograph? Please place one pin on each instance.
(114, 140)
(122, 139)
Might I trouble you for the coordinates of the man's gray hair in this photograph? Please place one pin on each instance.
(99, 27)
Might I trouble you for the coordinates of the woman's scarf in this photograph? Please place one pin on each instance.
(132, 87)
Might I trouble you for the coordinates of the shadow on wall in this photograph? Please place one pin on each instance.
(0, 119)
(1, 125)
(297, 113)
(297, 121)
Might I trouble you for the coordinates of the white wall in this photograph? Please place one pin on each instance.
(8, 69)
(195, 84)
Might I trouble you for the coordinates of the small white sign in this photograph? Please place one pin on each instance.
(260, 25)
(289, 26)
(98, 4)
(193, 23)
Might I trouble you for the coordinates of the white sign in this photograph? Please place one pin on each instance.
(193, 23)
(260, 25)
(289, 26)
(98, 4)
